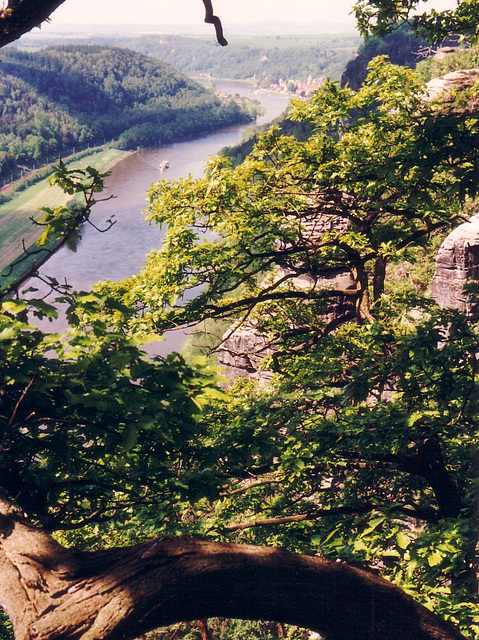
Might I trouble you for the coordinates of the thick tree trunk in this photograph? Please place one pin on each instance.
(52, 593)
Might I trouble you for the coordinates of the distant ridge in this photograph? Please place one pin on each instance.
(275, 27)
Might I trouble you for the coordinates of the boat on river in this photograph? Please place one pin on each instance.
(164, 166)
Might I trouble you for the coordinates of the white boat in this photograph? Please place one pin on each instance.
(164, 166)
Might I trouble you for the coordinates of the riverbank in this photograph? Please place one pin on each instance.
(123, 250)
(16, 227)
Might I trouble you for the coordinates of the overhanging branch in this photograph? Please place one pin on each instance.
(21, 16)
(318, 514)
(212, 19)
(50, 592)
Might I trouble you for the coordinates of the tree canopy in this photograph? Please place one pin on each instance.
(387, 169)
(358, 453)
(381, 16)
(354, 441)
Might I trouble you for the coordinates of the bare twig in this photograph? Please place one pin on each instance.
(212, 19)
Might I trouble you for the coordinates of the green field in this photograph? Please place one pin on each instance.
(16, 226)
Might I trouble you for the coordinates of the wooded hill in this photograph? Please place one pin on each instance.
(246, 57)
(261, 58)
(62, 99)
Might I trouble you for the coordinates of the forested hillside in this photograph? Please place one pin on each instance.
(262, 58)
(401, 47)
(257, 58)
(61, 99)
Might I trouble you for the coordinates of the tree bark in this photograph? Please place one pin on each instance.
(21, 16)
(53, 593)
(379, 277)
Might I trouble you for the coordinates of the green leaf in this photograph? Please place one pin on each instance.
(434, 558)
(403, 540)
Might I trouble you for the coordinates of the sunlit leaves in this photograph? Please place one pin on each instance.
(379, 17)
(62, 224)
(89, 422)
(362, 444)
(386, 165)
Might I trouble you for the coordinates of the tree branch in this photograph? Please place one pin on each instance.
(317, 514)
(20, 16)
(212, 19)
(427, 462)
(53, 593)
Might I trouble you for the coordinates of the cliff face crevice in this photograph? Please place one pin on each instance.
(242, 352)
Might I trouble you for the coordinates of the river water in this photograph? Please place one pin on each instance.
(121, 251)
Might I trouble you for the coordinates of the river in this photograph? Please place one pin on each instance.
(121, 251)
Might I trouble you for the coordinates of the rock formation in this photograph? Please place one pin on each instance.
(457, 263)
(448, 86)
(241, 353)
(244, 348)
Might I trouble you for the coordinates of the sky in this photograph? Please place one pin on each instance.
(186, 16)
(169, 12)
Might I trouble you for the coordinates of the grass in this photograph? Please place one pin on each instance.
(16, 226)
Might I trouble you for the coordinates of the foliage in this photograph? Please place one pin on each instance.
(63, 99)
(388, 179)
(65, 222)
(246, 58)
(401, 46)
(224, 629)
(6, 631)
(439, 65)
(362, 447)
(382, 16)
(61, 225)
(97, 428)
(76, 407)
(287, 127)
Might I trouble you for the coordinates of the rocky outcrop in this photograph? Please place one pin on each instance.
(244, 348)
(241, 352)
(448, 87)
(457, 263)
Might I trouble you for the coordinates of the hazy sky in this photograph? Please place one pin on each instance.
(157, 12)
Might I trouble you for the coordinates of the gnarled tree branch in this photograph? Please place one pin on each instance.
(212, 19)
(51, 592)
